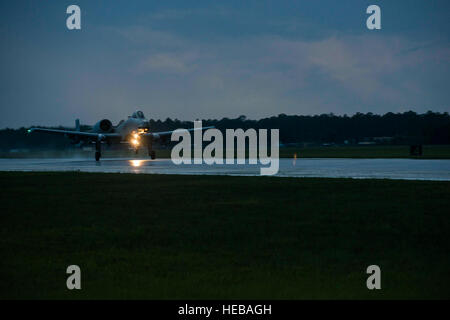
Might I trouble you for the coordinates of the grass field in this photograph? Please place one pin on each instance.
(367, 152)
(189, 237)
(371, 151)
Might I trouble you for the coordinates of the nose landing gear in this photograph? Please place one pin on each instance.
(98, 150)
(151, 152)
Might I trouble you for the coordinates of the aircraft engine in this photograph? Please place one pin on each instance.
(103, 126)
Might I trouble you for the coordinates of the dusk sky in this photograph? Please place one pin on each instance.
(214, 59)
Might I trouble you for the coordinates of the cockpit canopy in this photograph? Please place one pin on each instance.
(138, 115)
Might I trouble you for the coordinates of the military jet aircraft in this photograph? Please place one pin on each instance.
(127, 131)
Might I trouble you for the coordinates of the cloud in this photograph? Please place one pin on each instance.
(265, 75)
(167, 63)
(117, 70)
(176, 14)
(137, 35)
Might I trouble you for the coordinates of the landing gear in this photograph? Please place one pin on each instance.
(151, 152)
(98, 150)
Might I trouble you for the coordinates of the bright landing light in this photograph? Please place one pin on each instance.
(136, 163)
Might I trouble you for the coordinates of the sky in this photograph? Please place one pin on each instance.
(212, 59)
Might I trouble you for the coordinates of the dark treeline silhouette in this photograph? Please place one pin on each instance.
(400, 128)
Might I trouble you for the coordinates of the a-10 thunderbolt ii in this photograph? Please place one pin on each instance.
(132, 131)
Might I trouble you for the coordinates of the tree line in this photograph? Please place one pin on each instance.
(400, 128)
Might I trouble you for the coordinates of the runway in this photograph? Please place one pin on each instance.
(409, 169)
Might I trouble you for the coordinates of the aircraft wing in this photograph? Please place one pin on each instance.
(165, 133)
(80, 134)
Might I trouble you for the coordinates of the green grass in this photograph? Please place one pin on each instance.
(189, 237)
(368, 152)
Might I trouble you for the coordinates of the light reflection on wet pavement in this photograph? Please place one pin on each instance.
(330, 168)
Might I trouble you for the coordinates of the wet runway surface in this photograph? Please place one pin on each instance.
(330, 168)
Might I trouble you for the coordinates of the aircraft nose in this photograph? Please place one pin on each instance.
(145, 125)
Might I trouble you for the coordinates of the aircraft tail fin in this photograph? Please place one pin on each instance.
(77, 125)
